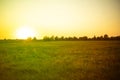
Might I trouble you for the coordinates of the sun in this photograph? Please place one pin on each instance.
(25, 32)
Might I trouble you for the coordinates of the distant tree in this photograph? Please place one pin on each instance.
(115, 38)
(80, 38)
(111, 38)
(106, 37)
(62, 38)
(75, 38)
(70, 38)
(98, 38)
(56, 38)
(94, 38)
(84, 38)
(66, 38)
(34, 38)
(5, 39)
(101, 38)
(52, 38)
(46, 38)
(29, 39)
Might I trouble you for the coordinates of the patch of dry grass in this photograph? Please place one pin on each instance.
(60, 60)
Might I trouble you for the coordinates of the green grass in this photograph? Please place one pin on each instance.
(60, 60)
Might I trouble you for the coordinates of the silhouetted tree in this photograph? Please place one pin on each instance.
(70, 38)
(115, 38)
(101, 37)
(83, 38)
(62, 38)
(98, 38)
(52, 38)
(106, 37)
(94, 38)
(66, 38)
(29, 39)
(56, 38)
(34, 38)
(5, 39)
(46, 38)
(75, 38)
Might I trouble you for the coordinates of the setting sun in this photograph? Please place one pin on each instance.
(58, 18)
(25, 32)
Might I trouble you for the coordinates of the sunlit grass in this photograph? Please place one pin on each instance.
(60, 60)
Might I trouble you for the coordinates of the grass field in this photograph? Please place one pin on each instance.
(60, 60)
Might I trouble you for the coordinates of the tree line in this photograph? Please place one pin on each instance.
(74, 38)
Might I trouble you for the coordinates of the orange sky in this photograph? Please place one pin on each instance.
(60, 17)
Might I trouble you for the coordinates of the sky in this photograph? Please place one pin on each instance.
(60, 17)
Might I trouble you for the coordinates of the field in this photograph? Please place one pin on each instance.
(60, 60)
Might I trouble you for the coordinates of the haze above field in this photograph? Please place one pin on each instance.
(59, 18)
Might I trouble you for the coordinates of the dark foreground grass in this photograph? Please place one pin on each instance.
(60, 60)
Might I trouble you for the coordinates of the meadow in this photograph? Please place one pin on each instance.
(60, 60)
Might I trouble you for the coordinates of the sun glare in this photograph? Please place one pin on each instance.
(25, 32)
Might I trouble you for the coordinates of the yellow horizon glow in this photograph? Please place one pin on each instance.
(60, 17)
(24, 32)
